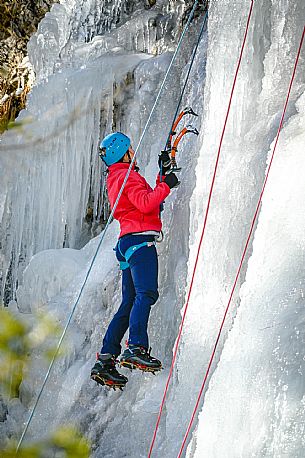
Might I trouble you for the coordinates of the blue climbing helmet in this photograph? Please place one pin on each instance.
(113, 147)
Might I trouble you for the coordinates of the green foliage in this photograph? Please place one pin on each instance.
(69, 440)
(34, 451)
(17, 343)
(14, 348)
(64, 443)
(19, 125)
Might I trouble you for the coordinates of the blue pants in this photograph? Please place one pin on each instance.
(139, 293)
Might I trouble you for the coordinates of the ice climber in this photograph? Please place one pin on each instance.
(140, 225)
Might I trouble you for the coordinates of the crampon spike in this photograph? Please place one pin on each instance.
(107, 383)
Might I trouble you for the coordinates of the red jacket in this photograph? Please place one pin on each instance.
(138, 208)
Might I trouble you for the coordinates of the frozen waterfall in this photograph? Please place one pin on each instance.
(99, 65)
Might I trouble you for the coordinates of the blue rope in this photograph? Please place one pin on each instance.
(188, 74)
(105, 230)
(185, 84)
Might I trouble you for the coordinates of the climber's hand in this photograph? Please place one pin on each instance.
(164, 161)
(171, 180)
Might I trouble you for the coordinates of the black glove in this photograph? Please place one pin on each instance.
(164, 161)
(171, 180)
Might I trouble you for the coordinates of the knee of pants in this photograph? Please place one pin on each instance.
(122, 314)
(153, 296)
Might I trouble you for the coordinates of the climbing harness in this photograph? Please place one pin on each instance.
(201, 238)
(130, 251)
(190, 17)
(245, 248)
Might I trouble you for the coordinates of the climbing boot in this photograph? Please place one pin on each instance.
(137, 357)
(104, 372)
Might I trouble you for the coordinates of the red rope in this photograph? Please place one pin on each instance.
(201, 238)
(245, 248)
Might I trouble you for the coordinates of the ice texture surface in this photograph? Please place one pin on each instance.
(50, 171)
(100, 73)
(262, 362)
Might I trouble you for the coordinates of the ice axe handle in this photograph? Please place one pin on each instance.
(173, 170)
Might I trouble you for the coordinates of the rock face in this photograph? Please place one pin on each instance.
(19, 20)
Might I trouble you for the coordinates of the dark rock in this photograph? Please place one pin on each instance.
(19, 20)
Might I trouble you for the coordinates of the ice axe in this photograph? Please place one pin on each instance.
(185, 111)
(189, 129)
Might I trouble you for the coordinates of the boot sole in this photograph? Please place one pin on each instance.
(109, 383)
(141, 367)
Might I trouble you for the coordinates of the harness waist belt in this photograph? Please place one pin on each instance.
(130, 251)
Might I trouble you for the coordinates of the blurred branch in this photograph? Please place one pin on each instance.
(18, 127)
(17, 344)
(66, 442)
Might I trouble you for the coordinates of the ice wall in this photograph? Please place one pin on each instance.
(131, 25)
(73, 104)
(260, 409)
(52, 193)
(254, 404)
(255, 400)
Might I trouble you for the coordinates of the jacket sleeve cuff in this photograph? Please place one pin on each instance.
(158, 181)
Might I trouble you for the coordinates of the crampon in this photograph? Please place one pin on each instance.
(108, 383)
(135, 357)
(104, 372)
